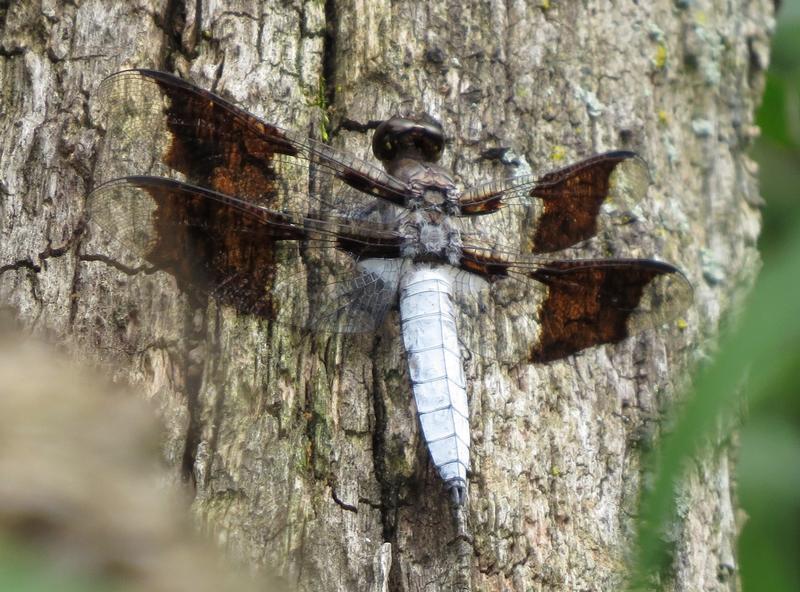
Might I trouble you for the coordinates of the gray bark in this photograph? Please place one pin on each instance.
(305, 452)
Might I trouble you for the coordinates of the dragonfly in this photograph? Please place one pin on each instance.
(277, 225)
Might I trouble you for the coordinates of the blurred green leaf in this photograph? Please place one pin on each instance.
(778, 103)
(769, 479)
(768, 467)
(23, 571)
(779, 177)
(765, 349)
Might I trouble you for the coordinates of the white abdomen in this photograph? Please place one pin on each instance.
(427, 316)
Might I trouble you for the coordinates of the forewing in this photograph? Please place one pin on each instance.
(278, 265)
(559, 307)
(542, 214)
(160, 125)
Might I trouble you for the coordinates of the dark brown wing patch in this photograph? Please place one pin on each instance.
(224, 246)
(568, 200)
(572, 199)
(227, 150)
(218, 145)
(583, 303)
(594, 302)
(206, 241)
(488, 268)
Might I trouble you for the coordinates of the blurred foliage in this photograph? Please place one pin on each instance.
(757, 363)
(778, 149)
(769, 467)
(757, 368)
(24, 570)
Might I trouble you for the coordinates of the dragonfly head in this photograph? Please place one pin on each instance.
(419, 137)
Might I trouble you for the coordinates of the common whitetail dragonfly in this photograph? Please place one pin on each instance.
(277, 225)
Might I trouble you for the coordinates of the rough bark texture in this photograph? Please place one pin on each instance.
(306, 453)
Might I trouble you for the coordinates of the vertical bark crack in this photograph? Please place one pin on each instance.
(198, 23)
(329, 52)
(389, 502)
(173, 25)
(196, 355)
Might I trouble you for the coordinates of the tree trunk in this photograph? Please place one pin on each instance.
(304, 452)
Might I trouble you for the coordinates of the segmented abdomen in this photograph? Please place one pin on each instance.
(428, 322)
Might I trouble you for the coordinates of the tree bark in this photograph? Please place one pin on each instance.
(305, 452)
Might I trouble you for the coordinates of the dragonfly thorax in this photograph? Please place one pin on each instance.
(431, 236)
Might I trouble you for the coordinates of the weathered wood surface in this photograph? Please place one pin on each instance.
(305, 453)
